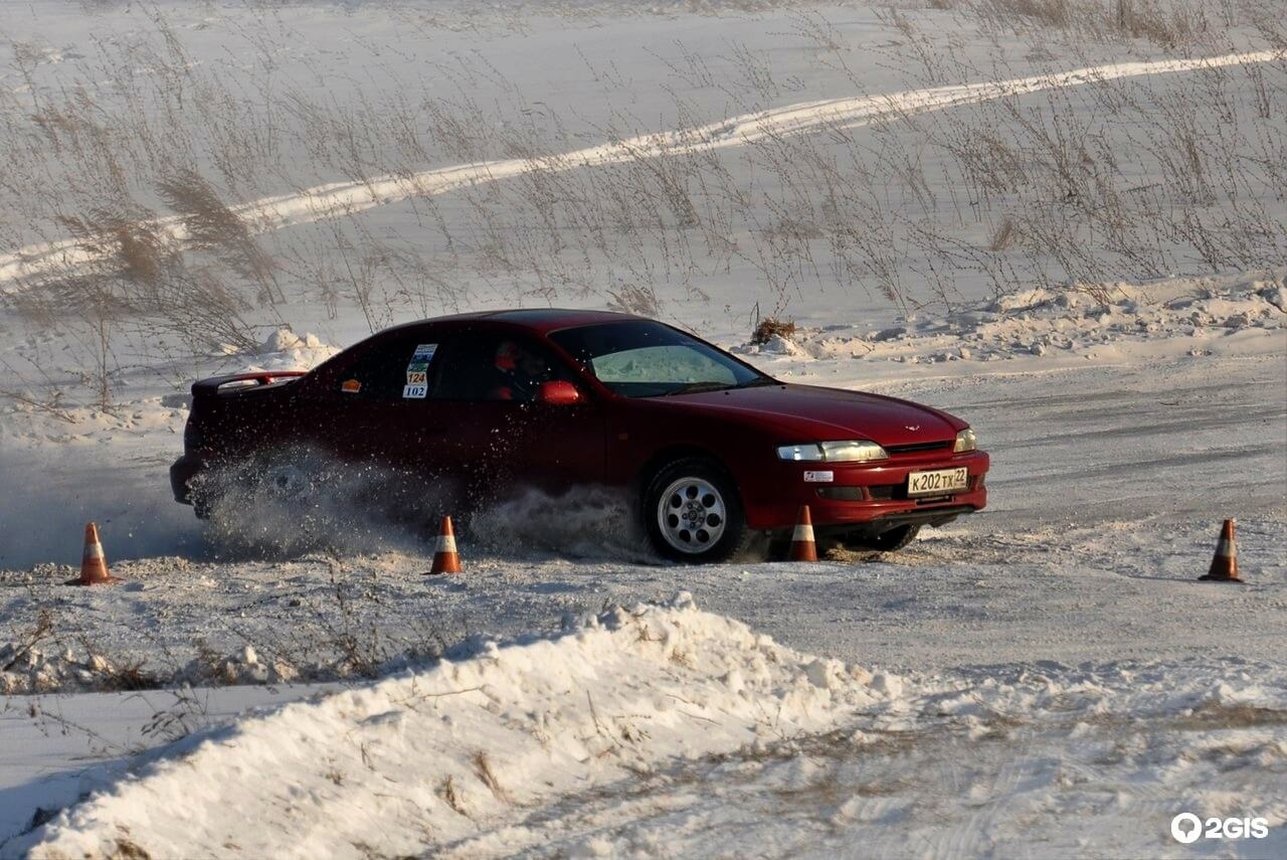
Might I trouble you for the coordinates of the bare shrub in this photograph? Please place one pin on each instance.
(1003, 238)
(770, 328)
(40, 630)
(212, 226)
(635, 299)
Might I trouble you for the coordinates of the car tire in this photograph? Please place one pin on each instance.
(892, 540)
(268, 507)
(692, 512)
(286, 481)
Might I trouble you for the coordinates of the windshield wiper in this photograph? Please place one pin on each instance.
(760, 382)
(695, 387)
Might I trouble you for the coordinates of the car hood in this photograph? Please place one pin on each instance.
(806, 413)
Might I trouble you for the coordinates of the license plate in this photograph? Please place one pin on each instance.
(938, 482)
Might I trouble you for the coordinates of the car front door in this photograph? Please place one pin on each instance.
(501, 439)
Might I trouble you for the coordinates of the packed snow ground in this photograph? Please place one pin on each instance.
(1108, 414)
(1043, 679)
(1069, 682)
(671, 731)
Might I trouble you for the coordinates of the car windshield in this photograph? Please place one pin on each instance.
(647, 359)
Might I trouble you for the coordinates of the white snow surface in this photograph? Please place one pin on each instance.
(329, 201)
(675, 728)
(1047, 673)
(1046, 678)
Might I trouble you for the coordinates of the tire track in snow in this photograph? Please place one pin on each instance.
(346, 198)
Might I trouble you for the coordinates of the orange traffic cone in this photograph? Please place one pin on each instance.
(802, 546)
(445, 557)
(93, 564)
(1224, 567)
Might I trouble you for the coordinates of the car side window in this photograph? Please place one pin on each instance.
(398, 370)
(495, 366)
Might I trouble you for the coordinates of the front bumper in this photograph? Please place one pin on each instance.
(862, 498)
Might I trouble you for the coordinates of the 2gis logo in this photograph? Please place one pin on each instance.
(1187, 828)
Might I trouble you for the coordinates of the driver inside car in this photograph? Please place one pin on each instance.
(521, 372)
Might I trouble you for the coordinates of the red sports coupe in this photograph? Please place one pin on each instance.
(480, 405)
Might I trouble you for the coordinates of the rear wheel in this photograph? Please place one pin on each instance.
(267, 505)
(286, 481)
(692, 512)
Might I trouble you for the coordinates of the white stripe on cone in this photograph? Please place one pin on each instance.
(446, 543)
(802, 534)
(93, 550)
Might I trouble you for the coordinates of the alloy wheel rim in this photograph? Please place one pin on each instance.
(692, 515)
(286, 481)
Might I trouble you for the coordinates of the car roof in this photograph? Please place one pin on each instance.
(541, 320)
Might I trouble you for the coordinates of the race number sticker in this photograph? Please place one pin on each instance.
(417, 385)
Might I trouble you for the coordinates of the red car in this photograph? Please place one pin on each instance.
(480, 405)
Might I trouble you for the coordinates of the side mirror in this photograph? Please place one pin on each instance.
(558, 393)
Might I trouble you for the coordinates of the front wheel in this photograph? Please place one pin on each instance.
(692, 512)
(892, 540)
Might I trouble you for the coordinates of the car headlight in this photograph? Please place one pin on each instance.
(833, 452)
(966, 441)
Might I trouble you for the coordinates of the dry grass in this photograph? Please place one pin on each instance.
(1125, 179)
(451, 796)
(1169, 23)
(483, 769)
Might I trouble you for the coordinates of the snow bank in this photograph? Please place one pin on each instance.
(431, 757)
(665, 728)
(1237, 314)
(285, 350)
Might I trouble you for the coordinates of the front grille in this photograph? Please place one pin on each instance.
(917, 447)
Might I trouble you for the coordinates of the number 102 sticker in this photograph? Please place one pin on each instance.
(415, 392)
